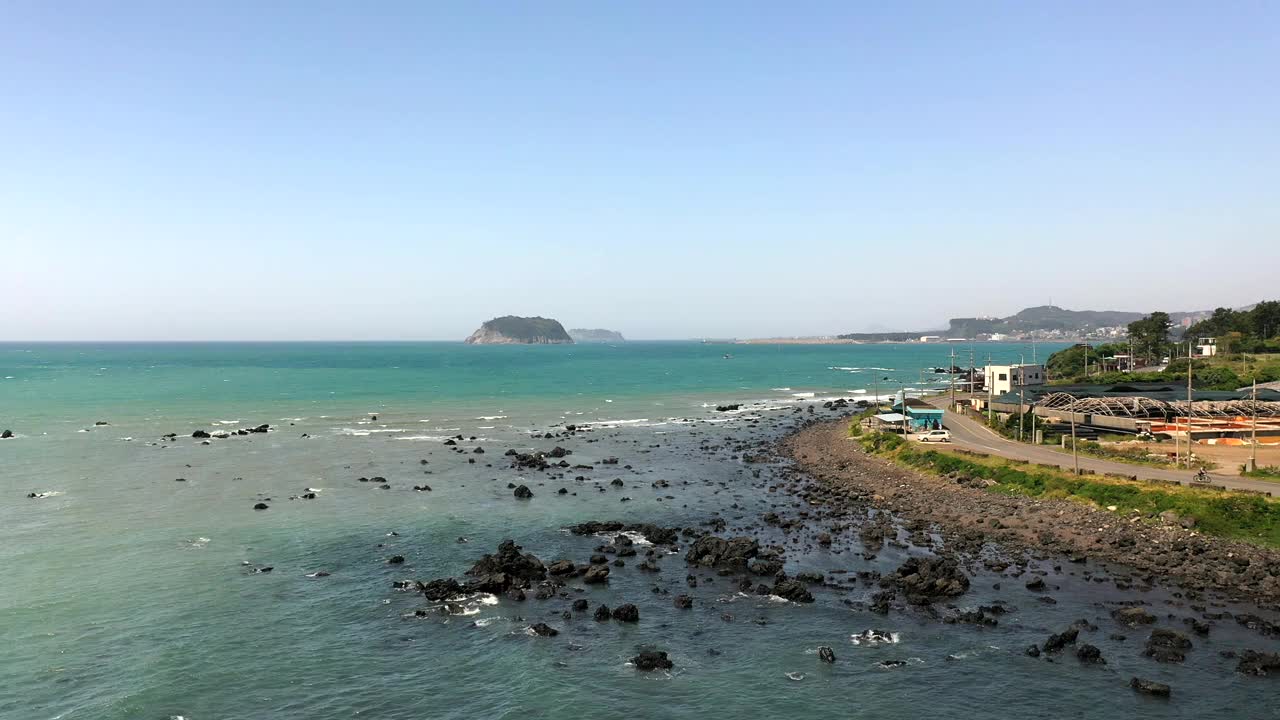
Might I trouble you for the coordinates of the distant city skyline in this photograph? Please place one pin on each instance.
(287, 171)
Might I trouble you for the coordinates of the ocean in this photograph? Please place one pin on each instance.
(134, 586)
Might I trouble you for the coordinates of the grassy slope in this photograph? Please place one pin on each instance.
(1236, 515)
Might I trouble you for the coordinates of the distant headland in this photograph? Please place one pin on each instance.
(512, 330)
(595, 335)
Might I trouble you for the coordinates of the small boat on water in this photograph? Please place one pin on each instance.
(727, 356)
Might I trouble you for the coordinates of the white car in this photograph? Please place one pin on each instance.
(935, 436)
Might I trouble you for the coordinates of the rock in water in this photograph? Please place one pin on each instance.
(792, 590)
(826, 654)
(505, 569)
(1149, 687)
(523, 492)
(1090, 654)
(561, 567)
(544, 630)
(261, 506)
(441, 589)
(1060, 640)
(649, 660)
(596, 574)
(513, 330)
(626, 613)
(601, 614)
(1166, 645)
(924, 580)
(712, 551)
(1253, 662)
(1133, 616)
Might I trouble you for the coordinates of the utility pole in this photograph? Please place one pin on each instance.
(991, 414)
(1189, 406)
(952, 372)
(1074, 451)
(1022, 393)
(1253, 432)
(1022, 411)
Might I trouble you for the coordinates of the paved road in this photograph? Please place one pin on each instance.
(973, 435)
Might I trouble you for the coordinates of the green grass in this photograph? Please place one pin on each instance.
(1254, 518)
(855, 425)
(1264, 472)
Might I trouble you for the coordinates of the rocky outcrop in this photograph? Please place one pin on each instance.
(924, 580)
(712, 551)
(506, 569)
(512, 330)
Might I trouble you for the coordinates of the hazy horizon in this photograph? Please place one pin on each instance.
(401, 172)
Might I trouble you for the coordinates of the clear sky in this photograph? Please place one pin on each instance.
(324, 170)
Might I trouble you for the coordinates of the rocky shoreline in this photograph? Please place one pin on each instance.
(847, 479)
(941, 534)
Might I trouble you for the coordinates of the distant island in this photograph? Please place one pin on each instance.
(512, 330)
(595, 335)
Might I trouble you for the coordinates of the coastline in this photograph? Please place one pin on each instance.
(846, 477)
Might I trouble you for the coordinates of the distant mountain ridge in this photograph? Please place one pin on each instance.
(1041, 318)
(514, 330)
(590, 335)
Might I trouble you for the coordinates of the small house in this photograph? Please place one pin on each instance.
(920, 414)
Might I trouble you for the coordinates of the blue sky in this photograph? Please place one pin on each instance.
(406, 170)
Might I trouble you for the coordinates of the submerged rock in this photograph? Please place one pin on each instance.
(1149, 687)
(1133, 616)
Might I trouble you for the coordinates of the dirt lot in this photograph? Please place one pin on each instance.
(1228, 458)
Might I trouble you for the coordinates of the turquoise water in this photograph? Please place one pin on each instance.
(126, 594)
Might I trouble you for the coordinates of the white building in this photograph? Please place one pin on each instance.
(1206, 347)
(1007, 378)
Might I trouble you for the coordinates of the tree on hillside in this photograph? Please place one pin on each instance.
(1265, 320)
(1150, 335)
(1254, 326)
